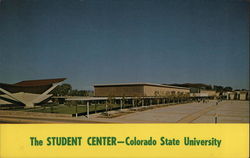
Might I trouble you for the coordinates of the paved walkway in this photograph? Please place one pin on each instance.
(226, 112)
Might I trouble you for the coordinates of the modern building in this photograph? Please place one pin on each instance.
(137, 90)
(243, 95)
(28, 93)
(199, 90)
(209, 93)
(237, 95)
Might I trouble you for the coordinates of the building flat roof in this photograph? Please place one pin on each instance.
(138, 84)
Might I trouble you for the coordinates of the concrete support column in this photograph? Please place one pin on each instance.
(133, 102)
(29, 105)
(88, 109)
(121, 103)
(95, 107)
(151, 102)
(106, 107)
(76, 111)
(142, 102)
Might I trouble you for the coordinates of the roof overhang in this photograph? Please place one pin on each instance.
(138, 84)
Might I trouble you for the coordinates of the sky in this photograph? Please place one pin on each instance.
(121, 41)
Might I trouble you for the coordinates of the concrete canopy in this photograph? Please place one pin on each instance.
(28, 92)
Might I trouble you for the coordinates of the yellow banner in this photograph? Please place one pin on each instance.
(124, 140)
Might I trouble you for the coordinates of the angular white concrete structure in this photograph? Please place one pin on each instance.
(28, 93)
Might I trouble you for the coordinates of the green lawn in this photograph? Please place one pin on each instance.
(67, 109)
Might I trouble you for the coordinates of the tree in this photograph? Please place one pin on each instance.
(109, 104)
(62, 90)
(74, 92)
(218, 88)
(208, 87)
(228, 89)
(82, 93)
